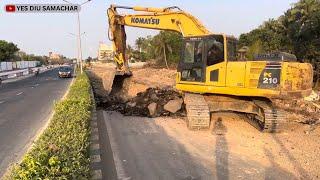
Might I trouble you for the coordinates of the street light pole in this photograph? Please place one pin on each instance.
(79, 48)
(79, 37)
(79, 44)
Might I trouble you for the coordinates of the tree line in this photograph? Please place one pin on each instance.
(297, 31)
(10, 52)
(163, 47)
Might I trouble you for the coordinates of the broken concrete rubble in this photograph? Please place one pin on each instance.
(173, 105)
(153, 102)
(152, 109)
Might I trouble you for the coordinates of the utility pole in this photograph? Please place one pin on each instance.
(78, 48)
(79, 43)
(79, 37)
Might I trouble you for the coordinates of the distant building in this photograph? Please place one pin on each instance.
(105, 52)
(54, 56)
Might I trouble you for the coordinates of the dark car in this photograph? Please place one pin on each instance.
(65, 71)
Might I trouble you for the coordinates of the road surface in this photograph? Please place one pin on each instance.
(163, 148)
(25, 107)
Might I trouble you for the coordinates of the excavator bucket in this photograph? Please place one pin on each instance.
(114, 79)
(119, 80)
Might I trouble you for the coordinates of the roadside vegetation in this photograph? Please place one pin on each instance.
(297, 31)
(62, 151)
(164, 48)
(10, 52)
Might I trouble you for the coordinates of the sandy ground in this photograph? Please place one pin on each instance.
(234, 149)
(288, 155)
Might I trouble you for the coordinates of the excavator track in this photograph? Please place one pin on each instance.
(274, 119)
(198, 114)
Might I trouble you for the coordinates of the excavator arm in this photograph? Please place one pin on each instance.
(171, 18)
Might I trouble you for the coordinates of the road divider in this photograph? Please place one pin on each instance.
(21, 72)
(62, 150)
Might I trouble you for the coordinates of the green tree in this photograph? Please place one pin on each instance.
(162, 47)
(297, 32)
(166, 47)
(129, 51)
(139, 43)
(255, 48)
(7, 50)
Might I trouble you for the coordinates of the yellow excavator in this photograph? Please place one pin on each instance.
(211, 73)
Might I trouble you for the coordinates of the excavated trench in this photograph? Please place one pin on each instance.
(150, 103)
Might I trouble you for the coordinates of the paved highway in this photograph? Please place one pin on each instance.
(25, 107)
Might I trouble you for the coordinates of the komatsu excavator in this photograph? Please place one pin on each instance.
(211, 74)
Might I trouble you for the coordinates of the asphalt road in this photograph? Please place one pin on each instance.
(163, 148)
(25, 107)
(143, 150)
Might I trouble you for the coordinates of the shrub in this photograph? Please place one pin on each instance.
(62, 151)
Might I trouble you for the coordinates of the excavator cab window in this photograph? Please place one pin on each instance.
(193, 51)
(191, 65)
(215, 50)
(197, 54)
(232, 49)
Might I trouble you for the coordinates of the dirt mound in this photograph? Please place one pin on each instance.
(299, 106)
(301, 111)
(139, 105)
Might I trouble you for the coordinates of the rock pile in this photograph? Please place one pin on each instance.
(153, 102)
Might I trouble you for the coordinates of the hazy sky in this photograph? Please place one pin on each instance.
(41, 33)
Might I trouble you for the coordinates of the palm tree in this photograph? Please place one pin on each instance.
(139, 43)
(161, 47)
(129, 51)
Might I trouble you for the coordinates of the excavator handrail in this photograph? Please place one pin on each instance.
(145, 9)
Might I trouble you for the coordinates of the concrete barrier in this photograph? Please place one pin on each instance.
(21, 72)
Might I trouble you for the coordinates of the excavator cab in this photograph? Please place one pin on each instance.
(202, 54)
(209, 64)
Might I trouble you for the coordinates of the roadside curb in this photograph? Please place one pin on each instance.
(95, 148)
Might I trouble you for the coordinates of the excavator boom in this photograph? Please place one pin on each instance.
(171, 18)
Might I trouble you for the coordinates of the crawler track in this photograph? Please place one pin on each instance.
(198, 114)
(274, 119)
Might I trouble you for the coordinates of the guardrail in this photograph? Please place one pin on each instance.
(21, 72)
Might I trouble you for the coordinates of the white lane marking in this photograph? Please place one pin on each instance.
(2, 102)
(19, 93)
